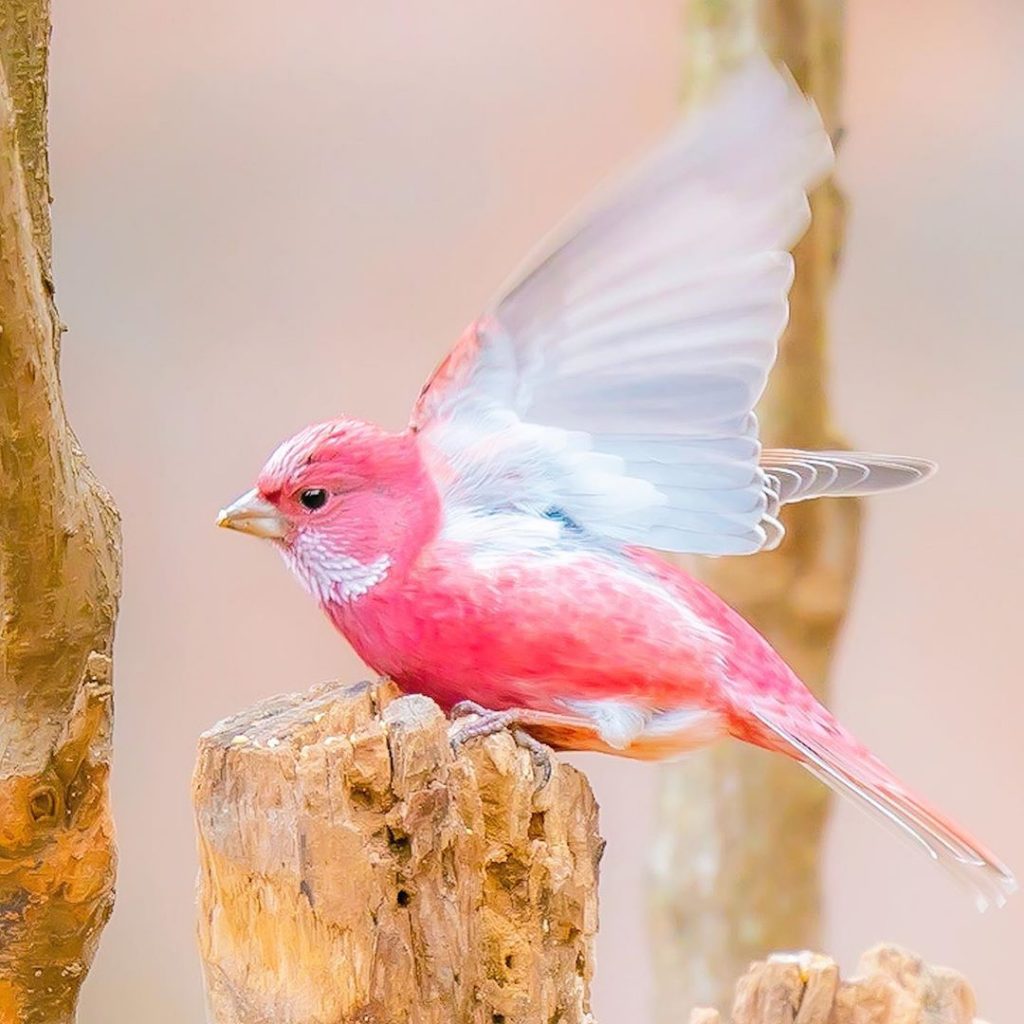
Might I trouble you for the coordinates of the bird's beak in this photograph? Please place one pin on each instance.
(254, 514)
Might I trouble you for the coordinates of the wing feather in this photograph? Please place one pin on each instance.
(615, 378)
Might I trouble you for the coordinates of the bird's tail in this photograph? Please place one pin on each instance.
(815, 739)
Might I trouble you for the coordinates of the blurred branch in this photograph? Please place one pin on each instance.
(59, 582)
(736, 859)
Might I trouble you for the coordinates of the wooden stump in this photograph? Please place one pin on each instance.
(352, 869)
(892, 986)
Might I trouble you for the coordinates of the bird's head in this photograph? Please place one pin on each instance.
(346, 502)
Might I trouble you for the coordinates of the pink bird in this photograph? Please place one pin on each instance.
(497, 554)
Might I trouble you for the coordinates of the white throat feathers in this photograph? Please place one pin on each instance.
(332, 576)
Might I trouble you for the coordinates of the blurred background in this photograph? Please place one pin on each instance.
(266, 214)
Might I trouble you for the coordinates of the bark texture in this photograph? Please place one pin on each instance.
(352, 869)
(892, 986)
(735, 861)
(59, 583)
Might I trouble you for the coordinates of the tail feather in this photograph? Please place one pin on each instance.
(797, 475)
(832, 755)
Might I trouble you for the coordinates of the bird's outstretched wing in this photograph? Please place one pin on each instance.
(612, 386)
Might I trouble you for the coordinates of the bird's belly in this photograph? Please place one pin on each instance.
(539, 632)
(654, 744)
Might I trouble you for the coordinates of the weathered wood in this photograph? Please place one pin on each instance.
(736, 858)
(353, 869)
(59, 583)
(892, 986)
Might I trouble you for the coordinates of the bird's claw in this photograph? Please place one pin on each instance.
(469, 707)
(490, 722)
(487, 723)
(539, 754)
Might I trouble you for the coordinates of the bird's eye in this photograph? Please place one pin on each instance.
(313, 498)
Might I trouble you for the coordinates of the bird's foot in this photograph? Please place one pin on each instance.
(469, 707)
(488, 723)
(540, 755)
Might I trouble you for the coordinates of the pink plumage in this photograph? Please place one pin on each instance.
(499, 550)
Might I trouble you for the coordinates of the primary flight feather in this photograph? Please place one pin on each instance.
(499, 550)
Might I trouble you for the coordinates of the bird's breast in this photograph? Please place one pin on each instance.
(536, 629)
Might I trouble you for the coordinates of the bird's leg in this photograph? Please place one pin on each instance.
(490, 722)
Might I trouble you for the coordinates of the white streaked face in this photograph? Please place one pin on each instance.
(331, 576)
(310, 548)
(345, 502)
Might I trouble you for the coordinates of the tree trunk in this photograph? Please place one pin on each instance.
(735, 866)
(352, 869)
(59, 583)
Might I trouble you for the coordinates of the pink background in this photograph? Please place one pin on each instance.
(270, 213)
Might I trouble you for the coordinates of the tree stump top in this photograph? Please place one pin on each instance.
(892, 986)
(354, 869)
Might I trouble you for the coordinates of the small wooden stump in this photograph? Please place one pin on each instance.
(352, 869)
(892, 986)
